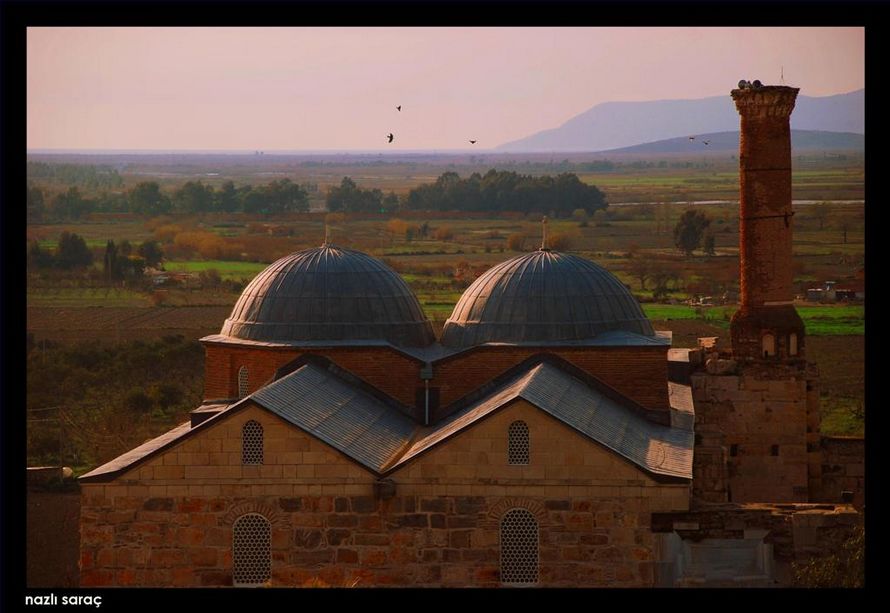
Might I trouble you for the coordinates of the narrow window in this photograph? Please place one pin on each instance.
(242, 382)
(774, 450)
(251, 550)
(517, 443)
(769, 345)
(252, 443)
(733, 450)
(792, 344)
(519, 548)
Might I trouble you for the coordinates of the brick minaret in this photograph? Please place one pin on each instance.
(767, 324)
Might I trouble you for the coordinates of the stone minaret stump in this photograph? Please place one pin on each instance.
(766, 326)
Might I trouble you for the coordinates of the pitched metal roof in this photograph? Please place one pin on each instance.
(329, 293)
(382, 439)
(543, 296)
(343, 416)
(136, 454)
(659, 449)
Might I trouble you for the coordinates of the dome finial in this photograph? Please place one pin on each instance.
(544, 234)
(326, 233)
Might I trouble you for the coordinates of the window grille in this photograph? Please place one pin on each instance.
(242, 382)
(252, 443)
(519, 548)
(517, 443)
(251, 550)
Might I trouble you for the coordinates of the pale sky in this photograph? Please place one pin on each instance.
(337, 88)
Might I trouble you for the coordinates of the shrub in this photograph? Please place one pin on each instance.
(515, 241)
(443, 233)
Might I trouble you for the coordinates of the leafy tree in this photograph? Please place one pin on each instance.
(350, 197)
(70, 205)
(689, 230)
(146, 198)
(507, 191)
(193, 197)
(151, 252)
(709, 244)
(36, 206)
(227, 198)
(73, 252)
(38, 257)
(111, 266)
(640, 266)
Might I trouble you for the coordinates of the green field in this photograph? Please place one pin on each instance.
(819, 320)
(226, 269)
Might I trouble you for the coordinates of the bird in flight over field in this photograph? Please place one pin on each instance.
(472, 142)
(389, 137)
(399, 108)
(707, 142)
(691, 138)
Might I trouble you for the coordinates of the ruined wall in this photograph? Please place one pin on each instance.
(724, 535)
(169, 521)
(843, 469)
(755, 431)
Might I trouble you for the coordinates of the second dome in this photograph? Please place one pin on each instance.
(543, 296)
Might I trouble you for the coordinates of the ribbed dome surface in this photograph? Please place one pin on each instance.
(329, 294)
(543, 296)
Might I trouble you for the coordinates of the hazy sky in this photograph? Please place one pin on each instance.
(337, 88)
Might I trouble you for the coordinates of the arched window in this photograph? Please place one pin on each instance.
(252, 443)
(769, 345)
(517, 443)
(242, 382)
(792, 344)
(251, 550)
(519, 548)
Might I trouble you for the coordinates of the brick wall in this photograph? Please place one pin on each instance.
(640, 373)
(169, 521)
(758, 421)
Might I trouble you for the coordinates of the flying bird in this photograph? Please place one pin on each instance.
(472, 142)
(707, 142)
(389, 137)
(399, 108)
(691, 138)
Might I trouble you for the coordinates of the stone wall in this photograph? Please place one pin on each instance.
(52, 527)
(784, 533)
(169, 520)
(843, 469)
(755, 428)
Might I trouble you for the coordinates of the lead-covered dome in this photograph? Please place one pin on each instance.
(329, 294)
(543, 296)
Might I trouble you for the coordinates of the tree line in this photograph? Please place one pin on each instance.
(120, 261)
(498, 190)
(147, 198)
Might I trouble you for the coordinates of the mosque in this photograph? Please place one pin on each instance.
(549, 437)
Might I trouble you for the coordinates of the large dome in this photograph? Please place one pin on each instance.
(329, 294)
(543, 296)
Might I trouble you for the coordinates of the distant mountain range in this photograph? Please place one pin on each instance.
(724, 142)
(613, 125)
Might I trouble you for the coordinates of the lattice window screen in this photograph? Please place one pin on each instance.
(251, 550)
(252, 443)
(242, 382)
(517, 443)
(519, 547)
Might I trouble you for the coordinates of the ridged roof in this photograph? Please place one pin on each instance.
(543, 296)
(329, 294)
